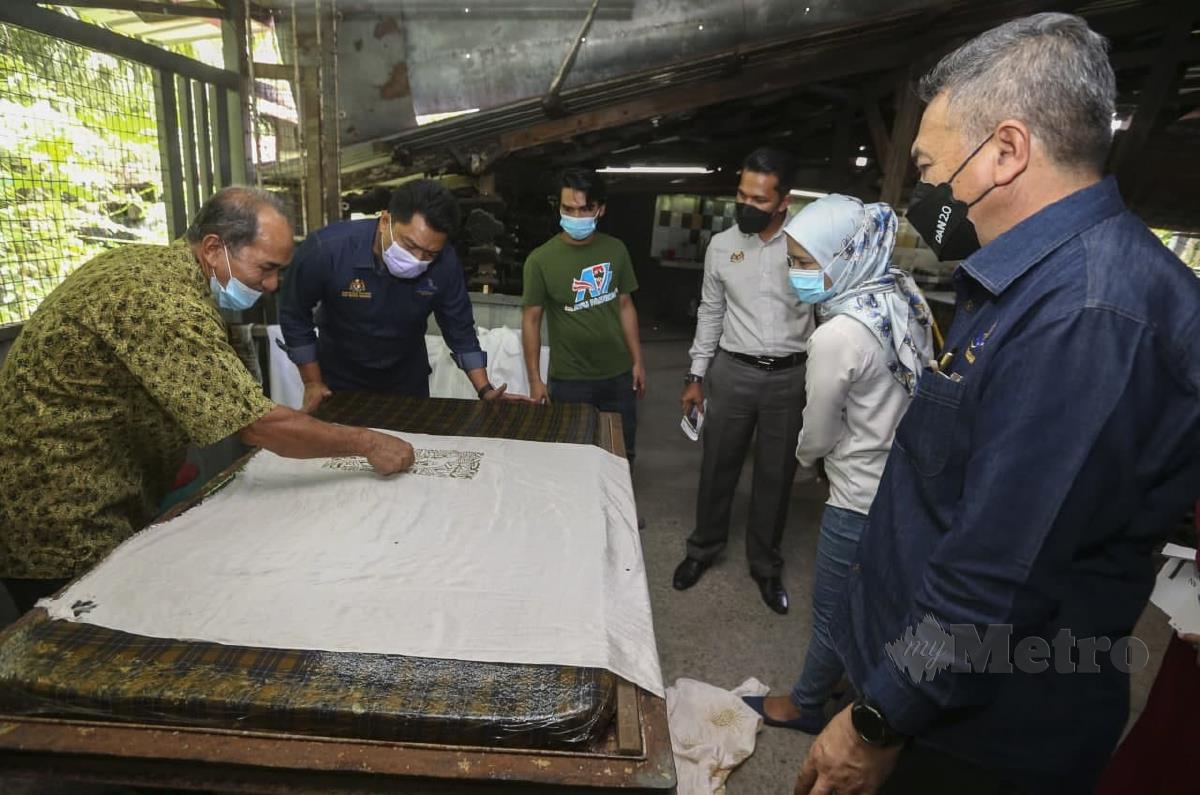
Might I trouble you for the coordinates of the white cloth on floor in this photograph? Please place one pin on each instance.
(712, 732)
(501, 551)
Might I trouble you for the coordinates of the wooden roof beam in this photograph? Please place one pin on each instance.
(1159, 86)
(904, 132)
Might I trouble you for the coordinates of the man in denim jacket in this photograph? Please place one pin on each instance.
(1009, 551)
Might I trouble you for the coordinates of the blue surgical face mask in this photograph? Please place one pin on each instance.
(578, 228)
(234, 295)
(809, 286)
(399, 261)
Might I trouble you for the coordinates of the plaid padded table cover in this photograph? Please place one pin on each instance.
(71, 669)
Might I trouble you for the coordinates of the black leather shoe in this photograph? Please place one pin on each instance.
(688, 573)
(773, 594)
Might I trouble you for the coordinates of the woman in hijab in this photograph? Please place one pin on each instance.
(873, 340)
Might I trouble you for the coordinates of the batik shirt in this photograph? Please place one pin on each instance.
(118, 369)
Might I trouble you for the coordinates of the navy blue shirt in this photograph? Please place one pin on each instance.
(1028, 486)
(372, 324)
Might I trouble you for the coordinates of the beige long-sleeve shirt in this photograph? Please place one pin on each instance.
(747, 304)
(853, 407)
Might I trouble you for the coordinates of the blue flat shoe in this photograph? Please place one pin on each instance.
(808, 722)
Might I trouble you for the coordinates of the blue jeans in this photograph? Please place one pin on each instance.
(606, 394)
(840, 531)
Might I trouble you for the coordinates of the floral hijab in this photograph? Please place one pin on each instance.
(853, 243)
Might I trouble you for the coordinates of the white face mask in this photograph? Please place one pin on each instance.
(399, 261)
(234, 295)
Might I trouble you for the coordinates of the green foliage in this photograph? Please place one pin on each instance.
(1185, 246)
(79, 163)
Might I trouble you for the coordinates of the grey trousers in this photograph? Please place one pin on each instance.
(742, 399)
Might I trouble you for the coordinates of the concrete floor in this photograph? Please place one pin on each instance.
(720, 632)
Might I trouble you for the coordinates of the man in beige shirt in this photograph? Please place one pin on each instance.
(748, 360)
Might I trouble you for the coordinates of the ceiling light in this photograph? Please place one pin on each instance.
(699, 27)
(861, 162)
(655, 170)
(807, 194)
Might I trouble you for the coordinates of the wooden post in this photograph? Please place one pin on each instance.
(239, 131)
(841, 152)
(880, 140)
(331, 187)
(167, 112)
(191, 174)
(904, 132)
(225, 137)
(316, 54)
(1159, 86)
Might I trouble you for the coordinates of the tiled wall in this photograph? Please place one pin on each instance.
(684, 224)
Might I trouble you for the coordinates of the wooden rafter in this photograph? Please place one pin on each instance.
(904, 132)
(1159, 86)
(64, 27)
(148, 7)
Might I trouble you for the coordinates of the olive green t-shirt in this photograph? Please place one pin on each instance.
(578, 287)
(117, 370)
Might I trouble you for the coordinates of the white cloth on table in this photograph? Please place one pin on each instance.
(526, 553)
(712, 732)
(506, 365)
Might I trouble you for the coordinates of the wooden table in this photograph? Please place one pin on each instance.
(634, 756)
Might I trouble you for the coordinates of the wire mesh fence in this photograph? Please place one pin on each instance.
(80, 166)
(278, 144)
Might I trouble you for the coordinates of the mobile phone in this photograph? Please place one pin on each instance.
(691, 423)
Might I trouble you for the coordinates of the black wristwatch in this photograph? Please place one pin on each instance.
(483, 390)
(872, 726)
(692, 378)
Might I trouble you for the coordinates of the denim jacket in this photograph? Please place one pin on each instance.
(1028, 485)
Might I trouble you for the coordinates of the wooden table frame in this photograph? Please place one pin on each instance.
(637, 756)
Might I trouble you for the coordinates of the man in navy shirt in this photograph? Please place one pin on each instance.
(1010, 548)
(373, 284)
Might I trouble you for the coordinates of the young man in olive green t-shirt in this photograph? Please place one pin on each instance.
(582, 280)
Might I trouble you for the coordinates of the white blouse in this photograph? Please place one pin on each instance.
(854, 405)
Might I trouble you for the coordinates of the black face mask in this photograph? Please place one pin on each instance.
(941, 220)
(751, 220)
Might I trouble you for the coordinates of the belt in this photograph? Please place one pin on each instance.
(768, 363)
